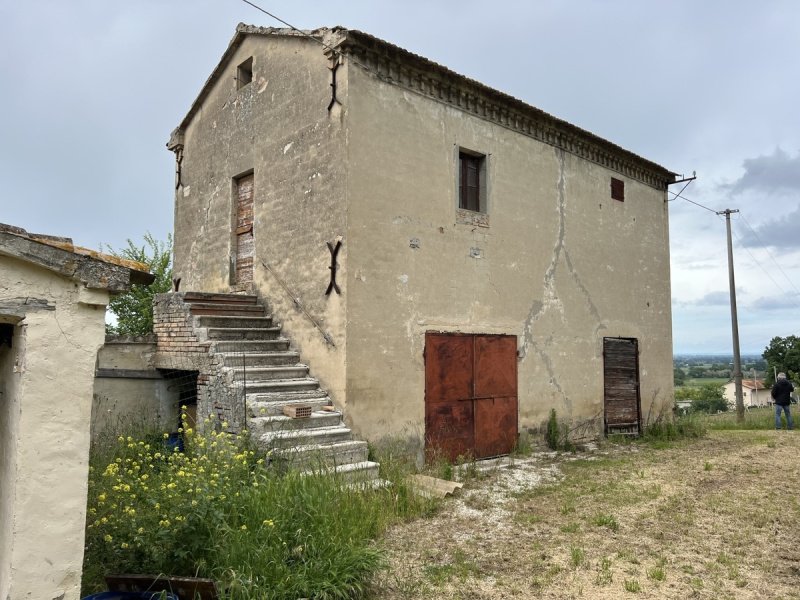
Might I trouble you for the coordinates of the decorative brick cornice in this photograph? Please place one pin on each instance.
(397, 66)
(418, 74)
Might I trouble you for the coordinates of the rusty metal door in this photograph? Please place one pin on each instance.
(621, 385)
(470, 394)
(245, 242)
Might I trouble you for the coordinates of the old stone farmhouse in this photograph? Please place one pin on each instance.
(53, 298)
(452, 262)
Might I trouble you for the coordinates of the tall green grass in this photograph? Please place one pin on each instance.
(754, 418)
(218, 510)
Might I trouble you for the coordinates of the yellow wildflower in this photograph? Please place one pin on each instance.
(108, 538)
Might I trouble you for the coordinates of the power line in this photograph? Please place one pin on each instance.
(764, 247)
(678, 195)
(334, 51)
(290, 26)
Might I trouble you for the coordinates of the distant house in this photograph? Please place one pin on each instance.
(451, 262)
(53, 298)
(754, 393)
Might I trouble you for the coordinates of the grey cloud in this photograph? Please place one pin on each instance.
(782, 302)
(781, 232)
(714, 299)
(778, 172)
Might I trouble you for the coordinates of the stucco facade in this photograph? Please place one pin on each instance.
(360, 141)
(52, 315)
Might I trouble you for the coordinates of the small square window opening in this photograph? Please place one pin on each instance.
(244, 73)
(472, 181)
(617, 189)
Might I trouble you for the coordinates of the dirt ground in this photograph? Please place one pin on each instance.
(717, 517)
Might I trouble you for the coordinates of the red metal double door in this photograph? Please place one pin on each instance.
(470, 394)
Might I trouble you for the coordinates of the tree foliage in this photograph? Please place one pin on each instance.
(134, 309)
(678, 377)
(783, 355)
(708, 398)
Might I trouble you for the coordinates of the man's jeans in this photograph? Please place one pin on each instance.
(789, 422)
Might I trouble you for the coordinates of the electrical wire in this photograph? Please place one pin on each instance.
(771, 256)
(290, 26)
(678, 195)
(767, 273)
(311, 37)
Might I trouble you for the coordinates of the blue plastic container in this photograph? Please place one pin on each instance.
(132, 596)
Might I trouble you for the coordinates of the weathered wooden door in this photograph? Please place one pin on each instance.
(470, 394)
(243, 225)
(621, 385)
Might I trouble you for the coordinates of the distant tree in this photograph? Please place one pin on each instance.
(783, 355)
(134, 309)
(678, 377)
(696, 372)
(708, 398)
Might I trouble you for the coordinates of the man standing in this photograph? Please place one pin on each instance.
(782, 394)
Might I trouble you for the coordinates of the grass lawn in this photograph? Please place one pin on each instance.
(713, 517)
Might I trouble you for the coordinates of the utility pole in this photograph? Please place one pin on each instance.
(737, 359)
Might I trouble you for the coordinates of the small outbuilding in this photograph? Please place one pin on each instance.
(53, 298)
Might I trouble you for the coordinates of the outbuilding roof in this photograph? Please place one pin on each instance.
(94, 269)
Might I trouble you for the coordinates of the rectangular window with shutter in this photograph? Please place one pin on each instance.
(617, 189)
(470, 182)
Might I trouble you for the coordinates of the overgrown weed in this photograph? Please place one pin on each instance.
(218, 510)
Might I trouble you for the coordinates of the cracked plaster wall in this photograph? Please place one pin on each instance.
(560, 265)
(47, 379)
(279, 127)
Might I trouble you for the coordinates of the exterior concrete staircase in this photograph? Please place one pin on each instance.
(248, 345)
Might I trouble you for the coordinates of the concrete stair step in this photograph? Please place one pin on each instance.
(361, 473)
(254, 373)
(238, 322)
(251, 346)
(274, 407)
(279, 386)
(322, 455)
(259, 424)
(221, 309)
(295, 438)
(260, 359)
(219, 298)
(243, 333)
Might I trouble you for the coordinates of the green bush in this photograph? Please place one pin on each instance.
(557, 435)
(552, 434)
(216, 510)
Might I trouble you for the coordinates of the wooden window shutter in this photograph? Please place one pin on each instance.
(617, 189)
(470, 182)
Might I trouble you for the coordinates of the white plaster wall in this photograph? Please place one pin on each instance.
(561, 264)
(9, 419)
(53, 395)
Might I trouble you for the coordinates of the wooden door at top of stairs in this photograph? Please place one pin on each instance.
(470, 395)
(243, 232)
(621, 386)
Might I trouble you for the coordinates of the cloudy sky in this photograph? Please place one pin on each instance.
(92, 88)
